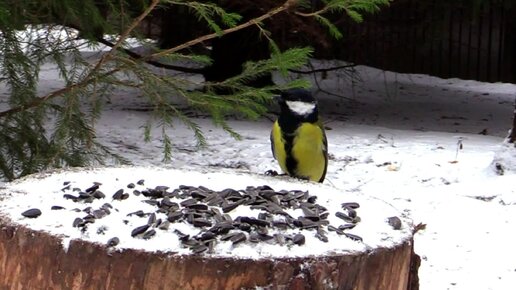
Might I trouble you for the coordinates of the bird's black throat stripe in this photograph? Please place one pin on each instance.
(289, 124)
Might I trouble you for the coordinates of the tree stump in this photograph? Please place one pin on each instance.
(36, 259)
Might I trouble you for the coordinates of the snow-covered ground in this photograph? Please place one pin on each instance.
(412, 140)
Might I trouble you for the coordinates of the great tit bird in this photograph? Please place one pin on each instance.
(298, 140)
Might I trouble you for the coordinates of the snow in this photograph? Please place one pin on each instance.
(400, 144)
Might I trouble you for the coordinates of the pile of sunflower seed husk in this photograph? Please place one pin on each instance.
(208, 210)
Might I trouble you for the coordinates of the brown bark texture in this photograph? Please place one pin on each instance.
(35, 260)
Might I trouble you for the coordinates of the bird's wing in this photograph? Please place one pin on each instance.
(325, 153)
(272, 146)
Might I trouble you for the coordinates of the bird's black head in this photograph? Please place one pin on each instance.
(298, 103)
(299, 95)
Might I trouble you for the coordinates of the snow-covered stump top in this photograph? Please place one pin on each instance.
(205, 216)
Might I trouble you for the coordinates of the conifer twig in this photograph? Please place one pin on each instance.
(90, 78)
(105, 57)
(255, 21)
(40, 100)
(91, 75)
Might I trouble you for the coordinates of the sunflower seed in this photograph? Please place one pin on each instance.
(113, 242)
(324, 215)
(138, 213)
(199, 248)
(198, 207)
(346, 227)
(254, 238)
(207, 236)
(282, 225)
(353, 237)
(118, 194)
(98, 213)
(152, 219)
(89, 219)
(92, 188)
(265, 238)
(228, 236)
(351, 212)
(232, 206)
(139, 230)
(238, 238)
(321, 235)
(334, 229)
(244, 227)
(255, 221)
(32, 213)
(298, 239)
(164, 225)
(98, 194)
(353, 205)
(152, 202)
(188, 202)
(167, 203)
(345, 217)
(78, 222)
(200, 222)
(311, 199)
(84, 195)
(182, 237)
(161, 188)
(174, 216)
(70, 197)
(149, 234)
(106, 205)
(394, 222)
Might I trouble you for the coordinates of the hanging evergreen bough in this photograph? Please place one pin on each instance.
(55, 129)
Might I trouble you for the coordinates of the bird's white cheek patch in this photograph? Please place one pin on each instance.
(301, 108)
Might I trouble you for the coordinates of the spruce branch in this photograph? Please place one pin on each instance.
(137, 56)
(57, 93)
(255, 21)
(105, 57)
(91, 76)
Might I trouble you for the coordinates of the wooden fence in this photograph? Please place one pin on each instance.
(441, 38)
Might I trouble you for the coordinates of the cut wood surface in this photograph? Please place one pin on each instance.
(36, 260)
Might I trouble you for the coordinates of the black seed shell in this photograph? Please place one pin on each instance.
(113, 242)
(139, 230)
(32, 213)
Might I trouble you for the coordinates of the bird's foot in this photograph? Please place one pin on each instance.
(271, 172)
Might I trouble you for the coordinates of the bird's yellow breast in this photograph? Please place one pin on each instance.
(308, 149)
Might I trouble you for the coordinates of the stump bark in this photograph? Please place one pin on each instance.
(36, 260)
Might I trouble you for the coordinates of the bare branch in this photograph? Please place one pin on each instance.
(321, 70)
